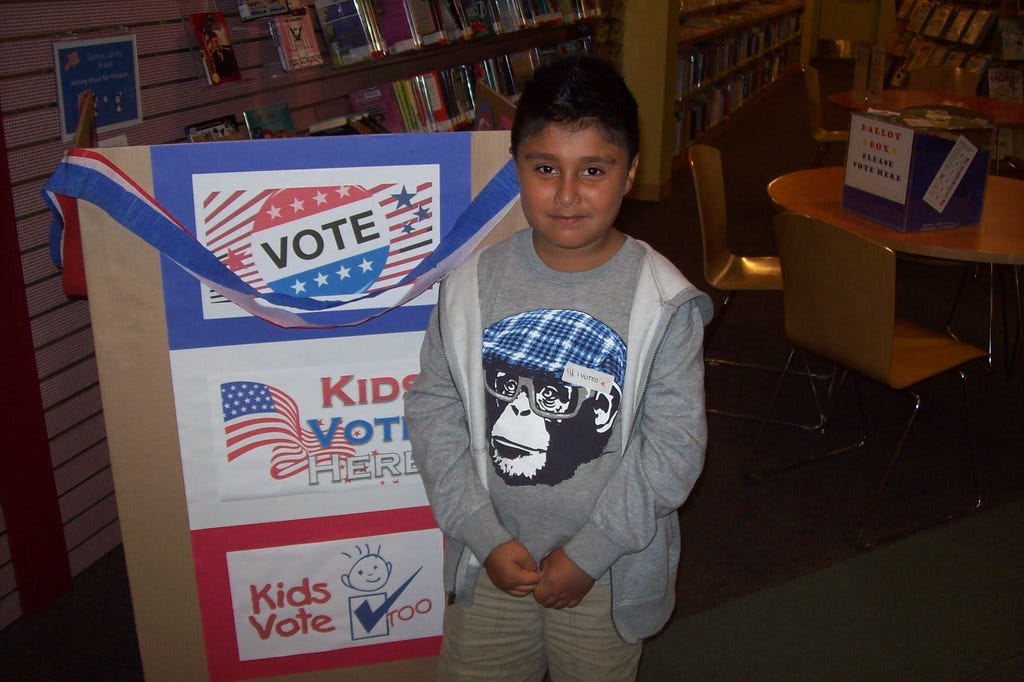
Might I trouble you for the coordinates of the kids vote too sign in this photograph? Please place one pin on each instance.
(296, 280)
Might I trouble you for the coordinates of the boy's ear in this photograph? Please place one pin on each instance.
(631, 175)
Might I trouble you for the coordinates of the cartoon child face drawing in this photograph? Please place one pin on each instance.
(552, 379)
(369, 573)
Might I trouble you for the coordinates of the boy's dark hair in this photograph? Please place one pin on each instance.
(579, 91)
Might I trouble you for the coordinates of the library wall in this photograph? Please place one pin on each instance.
(174, 94)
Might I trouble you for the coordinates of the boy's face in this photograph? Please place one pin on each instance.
(572, 182)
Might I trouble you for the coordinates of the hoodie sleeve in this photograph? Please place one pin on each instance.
(438, 431)
(664, 455)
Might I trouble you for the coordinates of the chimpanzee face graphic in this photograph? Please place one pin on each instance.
(543, 421)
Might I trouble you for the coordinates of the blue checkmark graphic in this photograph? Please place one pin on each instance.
(369, 617)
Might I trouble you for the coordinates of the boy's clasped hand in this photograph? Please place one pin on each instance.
(558, 583)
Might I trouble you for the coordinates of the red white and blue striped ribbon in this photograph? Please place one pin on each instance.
(87, 175)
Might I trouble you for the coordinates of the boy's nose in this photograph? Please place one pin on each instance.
(568, 194)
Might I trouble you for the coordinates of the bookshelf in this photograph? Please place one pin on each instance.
(649, 39)
(405, 64)
(729, 53)
(940, 33)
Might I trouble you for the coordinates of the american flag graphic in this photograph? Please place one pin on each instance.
(258, 416)
(308, 241)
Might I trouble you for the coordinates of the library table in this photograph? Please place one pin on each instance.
(997, 240)
(1003, 114)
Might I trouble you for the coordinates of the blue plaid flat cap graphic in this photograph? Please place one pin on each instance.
(543, 341)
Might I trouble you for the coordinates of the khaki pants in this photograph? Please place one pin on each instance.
(501, 637)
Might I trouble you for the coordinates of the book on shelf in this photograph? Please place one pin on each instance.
(219, 128)
(451, 19)
(588, 9)
(481, 18)
(378, 100)
(542, 12)
(938, 21)
(906, 7)
(510, 15)
(898, 78)
(257, 9)
(1011, 39)
(898, 39)
(921, 55)
(1006, 83)
(440, 118)
(394, 25)
(523, 64)
(343, 24)
(919, 17)
(295, 38)
(497, 73)
(462, 84)
(269, 120)
(955, 58)
(426, 22)
(939, 56)
(408, 107)
(216, 51)
(977, 63)
(978, 27)
(360, 123)
(957, 25)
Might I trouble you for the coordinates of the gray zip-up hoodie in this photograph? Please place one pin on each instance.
(633, 531)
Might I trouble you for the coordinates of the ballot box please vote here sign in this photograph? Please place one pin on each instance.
(912, 178)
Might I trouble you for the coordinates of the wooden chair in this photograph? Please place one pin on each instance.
(840, 304)
(824, 137)
(723, 269)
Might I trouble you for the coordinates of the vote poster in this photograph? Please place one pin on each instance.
(312, 544)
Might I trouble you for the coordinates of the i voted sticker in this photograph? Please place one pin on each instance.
(592, 379)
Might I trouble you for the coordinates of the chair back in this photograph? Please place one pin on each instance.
(839, 295)
(709, 186)
(949, 79)
(812, 87)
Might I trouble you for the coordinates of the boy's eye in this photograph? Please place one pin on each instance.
(545, 169)
(593, 171)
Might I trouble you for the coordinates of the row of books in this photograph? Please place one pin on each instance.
(433, 101)
(704, 62)
(356, 30)
(267, 121)
(444, 99)
(923, 53)
(275, 120)
(694, 27)
(966, 25)
(696, 114)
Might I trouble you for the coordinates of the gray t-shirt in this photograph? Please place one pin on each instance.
(554, 356)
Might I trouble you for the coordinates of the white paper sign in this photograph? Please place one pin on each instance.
(951, 172)
(878, 160)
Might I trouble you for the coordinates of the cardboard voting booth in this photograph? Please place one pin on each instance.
(494, 111)
(921, 170)
(273, 521)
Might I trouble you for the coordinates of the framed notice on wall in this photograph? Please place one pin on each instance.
(107, 68)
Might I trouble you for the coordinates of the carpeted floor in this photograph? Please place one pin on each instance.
(759, 556)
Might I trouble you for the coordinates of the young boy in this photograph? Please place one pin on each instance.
(558, 418)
